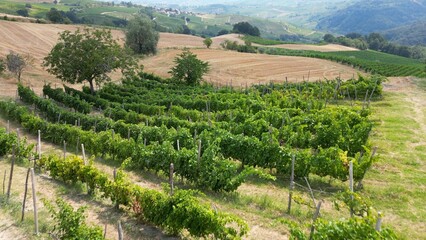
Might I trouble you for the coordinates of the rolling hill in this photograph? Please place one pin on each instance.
(227, 66)
(411, 34)
(368, 16)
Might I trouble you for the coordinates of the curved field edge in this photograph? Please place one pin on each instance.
(370, 61)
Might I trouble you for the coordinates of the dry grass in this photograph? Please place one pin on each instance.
(319, 48)
(397, 183)
(246, 68)
(226, 67)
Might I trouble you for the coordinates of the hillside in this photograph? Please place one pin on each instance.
(411, 34)
(38, 39)
(368, 16)
(239, 69)
(299, 12)
(166, 19)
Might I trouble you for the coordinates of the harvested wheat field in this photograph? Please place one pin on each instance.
(172, 40)
(35, 40)
(319, 48)
(310, 47)
(226, 66)
(242, 68)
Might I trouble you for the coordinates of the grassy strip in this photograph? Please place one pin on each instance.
(397, 183)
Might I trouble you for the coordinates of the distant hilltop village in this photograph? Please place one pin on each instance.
(172, 11)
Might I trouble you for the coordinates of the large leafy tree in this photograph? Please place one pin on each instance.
(189, 68)
(141, 36)
(87, 55)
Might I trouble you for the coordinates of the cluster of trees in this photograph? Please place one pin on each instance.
(25, 11)
(233, 45)
(222, 32)
(68, 17)
(246, 28)
(90, 55)
(374, 41)
(59, 16)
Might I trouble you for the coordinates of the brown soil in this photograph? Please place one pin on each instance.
(8, 230)
(319, 48)
(226, 67)
(244, 68)
(98, 212)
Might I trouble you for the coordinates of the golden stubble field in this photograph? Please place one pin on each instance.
(226, 66)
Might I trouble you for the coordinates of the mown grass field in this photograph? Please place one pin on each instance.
(397, 183)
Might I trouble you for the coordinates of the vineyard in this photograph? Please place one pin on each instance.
(369, 61)
(216, 138)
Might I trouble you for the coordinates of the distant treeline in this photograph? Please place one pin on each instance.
(377, 42)
(68, 17)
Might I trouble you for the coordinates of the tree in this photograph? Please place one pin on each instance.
(23, 12)
(376, 41)
(16, 63)
(208, 42)
(186, 30)
(55, 15)
(329, 38)
(189, 68)
(87, 56)
(141, 36)
(354, 35)
(222, 32)
(246, 28)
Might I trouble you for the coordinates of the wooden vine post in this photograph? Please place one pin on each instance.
(34, 201)
(38, 145)
(120, 231)
(65, 149)
(12, 165)
(199, 157)
(105, 229)
(290, 194)
(18, 143)
(379, 222)
(172, 168)
(316, 214)
(25, 195)
(84, 154)
(310, 191)
(114, 173)
(33, 187)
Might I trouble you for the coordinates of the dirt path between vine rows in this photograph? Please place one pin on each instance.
(8, 230)
(99, 211)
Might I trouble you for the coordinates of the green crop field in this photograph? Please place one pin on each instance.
(367, 60)
(37, 10)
